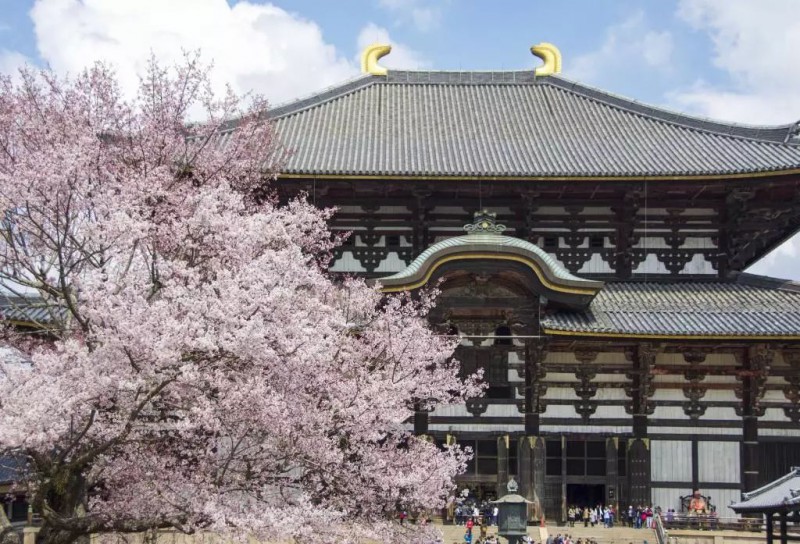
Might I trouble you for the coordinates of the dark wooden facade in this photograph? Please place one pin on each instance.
(579, 417)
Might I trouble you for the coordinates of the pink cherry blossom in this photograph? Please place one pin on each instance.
(199, 369)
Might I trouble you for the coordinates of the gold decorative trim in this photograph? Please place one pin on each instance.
(490, 256)
(370, 56)
(591, 179)
(551, 56)
(556, 332)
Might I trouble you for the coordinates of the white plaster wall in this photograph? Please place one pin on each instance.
(774, 414)
(780, 432)
(667, 498)
(595, 265)
(722, 498)
(700, 431)
(392, 263)
(698, 264)
(477, 427)
(671, 461)
(651, 265)
(347, 263)
(718, 462)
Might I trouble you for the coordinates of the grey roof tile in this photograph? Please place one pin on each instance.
(11, 469)
(782, 494)
(511, 124)
(750, 306)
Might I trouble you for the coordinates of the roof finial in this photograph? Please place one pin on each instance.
(370, 56)
(485, 222)
(551, 56)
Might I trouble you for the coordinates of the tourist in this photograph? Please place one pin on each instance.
(593, 517)
(606, 517)
(649, 519)
(585, 516)
(631, 516)
(571, 517)
(470, 525)
(403, 516)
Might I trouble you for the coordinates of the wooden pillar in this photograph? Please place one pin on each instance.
(625, 213)
(531, 458)
(770, 528)
(643, 358)
(502, 465)
(612, 489)
(420, 422)
(784, 540)
(755, 363)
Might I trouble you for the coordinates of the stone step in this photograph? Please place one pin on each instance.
(613, 535)
(601, 535)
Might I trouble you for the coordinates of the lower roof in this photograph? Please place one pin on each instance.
(781, 495)
(751, 306)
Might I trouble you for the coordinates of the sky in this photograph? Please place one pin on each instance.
(732, 60)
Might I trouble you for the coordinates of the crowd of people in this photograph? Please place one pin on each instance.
(638, 517)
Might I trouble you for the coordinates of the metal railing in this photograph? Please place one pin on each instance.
(662, 536)
(710, 523)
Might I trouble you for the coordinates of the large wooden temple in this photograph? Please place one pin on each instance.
(589, 250)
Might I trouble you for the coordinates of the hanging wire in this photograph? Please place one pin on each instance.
(646, 228)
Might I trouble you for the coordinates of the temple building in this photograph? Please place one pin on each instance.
(589, 250)
(590, 253)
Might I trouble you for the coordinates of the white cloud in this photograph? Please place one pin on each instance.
(401, 58)
(629, 48)
(783, 262)
(11, 62)
(254, 47)
(420, 13)
(755, 44)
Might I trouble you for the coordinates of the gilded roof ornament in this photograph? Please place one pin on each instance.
(485, 222)
(551, 56)
(370, 56)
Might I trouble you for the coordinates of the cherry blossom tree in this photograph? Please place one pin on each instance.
(193, 366)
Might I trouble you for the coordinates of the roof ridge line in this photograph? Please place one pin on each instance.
(322, 96)
(674, 117)
(771, 485)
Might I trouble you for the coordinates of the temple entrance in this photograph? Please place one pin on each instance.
(583, 495)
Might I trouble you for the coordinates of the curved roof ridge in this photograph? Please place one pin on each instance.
(322, 96)
(775, 134)
(495, 240)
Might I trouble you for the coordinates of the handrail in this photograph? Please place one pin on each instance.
(711, 522)
(662, 536)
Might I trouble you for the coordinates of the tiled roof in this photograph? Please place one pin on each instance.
(511, 124)
(751, 306)
(10, 469)
(497, 243)
(30, 309)
(782, 494)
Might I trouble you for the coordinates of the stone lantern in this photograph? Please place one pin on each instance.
(512, 515)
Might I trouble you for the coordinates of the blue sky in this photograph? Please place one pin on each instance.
(728, 59)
